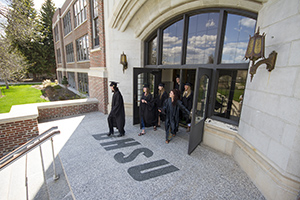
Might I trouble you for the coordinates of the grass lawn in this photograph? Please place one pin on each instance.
(19, 94)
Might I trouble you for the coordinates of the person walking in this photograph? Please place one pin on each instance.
(187, 101)
(147, 110)
(116, 117)
(171, 108)
(162, 96)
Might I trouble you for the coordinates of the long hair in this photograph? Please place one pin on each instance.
(161, 92)
(176, 96)
(147, 91)
(187, 93)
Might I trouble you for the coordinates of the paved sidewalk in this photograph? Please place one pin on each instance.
(143, 167)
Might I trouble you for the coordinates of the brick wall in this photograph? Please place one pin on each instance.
(14, 134)
(98, 89)
(62, 111)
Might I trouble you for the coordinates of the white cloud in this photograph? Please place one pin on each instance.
(210, 23)
(248, 22)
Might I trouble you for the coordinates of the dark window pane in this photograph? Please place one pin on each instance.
(152, 49)
(172, 42)
(238, 29)
(229, 97)
(202, 37)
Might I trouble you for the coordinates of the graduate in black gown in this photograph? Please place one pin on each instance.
(171, 109)
(116, 117)
(162, 96)
(148, 110)
(187, 101)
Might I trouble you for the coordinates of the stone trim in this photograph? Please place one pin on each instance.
(146, 17)
(273, 182)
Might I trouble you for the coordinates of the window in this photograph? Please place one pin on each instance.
(210, 38)
(230, 93)
(95, 27)
(71, 79)
(58, 56)
(172, 42)
(56, 33)
(79, 12)
(238, 29)
(59, 76)
(67, 23)
(70, 52)
(202, 38)
(82, 48)
(152, 50)
(83, 83)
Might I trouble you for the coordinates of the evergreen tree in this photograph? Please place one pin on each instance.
(47, 44)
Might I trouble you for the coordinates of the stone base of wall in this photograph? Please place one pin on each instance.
(269, 179)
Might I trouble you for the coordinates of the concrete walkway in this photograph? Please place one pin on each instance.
(142, 167)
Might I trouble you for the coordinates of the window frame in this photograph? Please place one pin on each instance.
(95, 25)
(215, 66)
(80, 52)
(70, 52)
(56, 35)
(80, 12)
(67, 23)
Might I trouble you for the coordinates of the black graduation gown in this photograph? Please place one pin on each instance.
(116, 116)
(188, 101)
(160, 103)
(148, 111)
(172, 115)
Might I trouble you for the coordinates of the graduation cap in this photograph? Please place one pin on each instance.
(146, 85)
(161, 84)
(113, 84)
(189, 84)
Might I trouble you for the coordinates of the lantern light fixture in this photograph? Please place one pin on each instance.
(256, 50)
(123, 61)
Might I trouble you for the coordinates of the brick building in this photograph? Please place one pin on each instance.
(204, 42)
(79, 42)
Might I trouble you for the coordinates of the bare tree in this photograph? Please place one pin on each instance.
(12, 64)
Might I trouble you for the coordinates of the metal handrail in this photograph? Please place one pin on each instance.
(24, 149)
(24, 146)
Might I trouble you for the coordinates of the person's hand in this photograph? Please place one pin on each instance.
(159, 110)
(191, 115)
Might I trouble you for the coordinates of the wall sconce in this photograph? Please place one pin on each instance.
(123, 61)
(256, 50)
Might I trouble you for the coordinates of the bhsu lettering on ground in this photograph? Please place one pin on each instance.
(160, 167)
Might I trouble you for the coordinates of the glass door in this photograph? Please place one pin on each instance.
(200, 104)
(142, 76)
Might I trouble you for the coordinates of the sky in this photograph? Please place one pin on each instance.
(38, 3)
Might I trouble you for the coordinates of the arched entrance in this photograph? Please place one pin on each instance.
(212, 42)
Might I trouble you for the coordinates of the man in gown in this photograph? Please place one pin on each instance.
(116, 117)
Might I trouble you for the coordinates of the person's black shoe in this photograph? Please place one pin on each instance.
(109, 134)
(120, 135)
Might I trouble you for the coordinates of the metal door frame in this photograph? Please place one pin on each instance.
(136, 71)
(196, 134)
